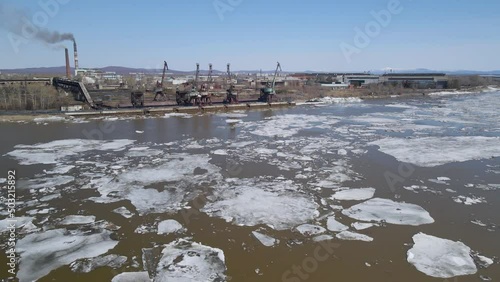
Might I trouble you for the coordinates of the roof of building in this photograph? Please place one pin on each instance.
(414, 74)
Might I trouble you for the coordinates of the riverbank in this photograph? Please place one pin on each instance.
(338, 96)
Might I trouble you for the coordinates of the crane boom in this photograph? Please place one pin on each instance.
(210, 70)
(165, 68)
(197, 75)
(229, 74)
(278, 67)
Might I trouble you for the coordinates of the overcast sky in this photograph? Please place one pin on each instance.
(321, 35)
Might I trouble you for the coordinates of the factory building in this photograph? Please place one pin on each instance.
(416, 80)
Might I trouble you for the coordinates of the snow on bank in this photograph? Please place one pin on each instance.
(435, 151)
(441, 258)
(389, 211)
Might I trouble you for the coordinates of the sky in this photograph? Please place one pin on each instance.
(317, 35)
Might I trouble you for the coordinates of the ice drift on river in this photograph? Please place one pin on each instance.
(43, 252)
(253, 202)
(441, 258)
(435, 151)
(354, 194)
(183, 261)
(389, 211)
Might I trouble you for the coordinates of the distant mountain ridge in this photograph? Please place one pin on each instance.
(126, 70)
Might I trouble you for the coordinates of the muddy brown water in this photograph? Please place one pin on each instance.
(247, 259)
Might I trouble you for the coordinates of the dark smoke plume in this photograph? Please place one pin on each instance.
(15, 20)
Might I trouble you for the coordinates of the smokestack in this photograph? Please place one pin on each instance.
(68, 69)
(76, 55)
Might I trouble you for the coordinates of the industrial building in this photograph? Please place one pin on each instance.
(416, 80)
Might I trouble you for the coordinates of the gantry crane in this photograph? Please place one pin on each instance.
(231, 95)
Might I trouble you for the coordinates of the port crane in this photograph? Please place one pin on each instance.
(267, 93)
(189, 96)
(159, 85)
(231, 95)
(206, 97)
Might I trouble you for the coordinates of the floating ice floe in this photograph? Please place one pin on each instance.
(389, 211)
(333, 225)
(169, 226)
(49, 119)
(289, 125)
(220, 152)
(488, 187)
(43, 252)
(185, 261)
(250, 202)
(444, 93)
(181, 115)
(336, 100)
(18, 222)
(362, 225)
(420, 188)
(40, 183)
(354, 194)
(435, 151)
(440, 180)
(123, 211)
(310, 230)
(233, 115)
(77, 219)
(441, 258)
(233, 121)
(62, 169)
(469, 201)
(53, 152)
(265, 240)
(88, 265)
(321, 238)
(353, 236)
(132, 277)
